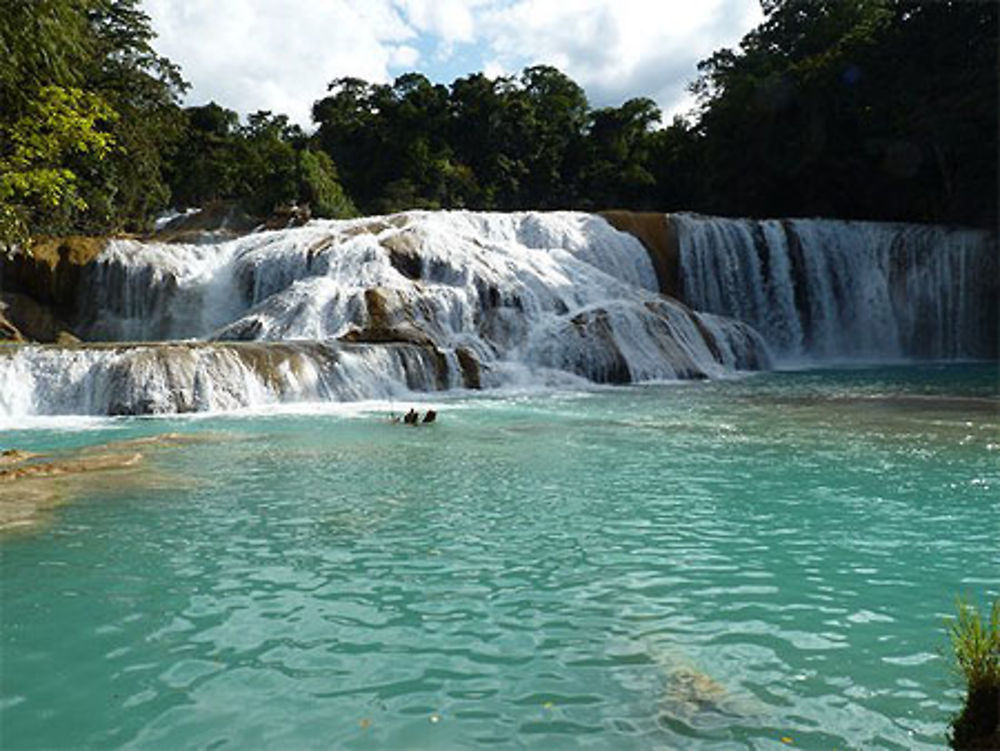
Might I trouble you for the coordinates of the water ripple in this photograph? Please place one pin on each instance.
(627, 570)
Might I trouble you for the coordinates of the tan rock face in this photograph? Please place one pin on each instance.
(656, 233)
(40, 287)
(24, 318)
(8, 331)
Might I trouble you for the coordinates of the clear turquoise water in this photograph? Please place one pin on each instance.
(698, 566)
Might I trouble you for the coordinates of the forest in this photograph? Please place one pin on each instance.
(864, 109)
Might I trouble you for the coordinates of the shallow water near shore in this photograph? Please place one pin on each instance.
(751, 563)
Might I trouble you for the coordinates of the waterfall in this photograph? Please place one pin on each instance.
(192, 377)
(838, 290)
(368, 308)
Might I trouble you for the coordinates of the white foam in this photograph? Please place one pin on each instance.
(824, 291)
(535, 298)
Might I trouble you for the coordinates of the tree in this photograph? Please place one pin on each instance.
(615, 171)
(34, 183)
(144, 89)
(105, 105)
(204, 165)
(320, 188)
(265, 164)
(881, 109)
(547, 136)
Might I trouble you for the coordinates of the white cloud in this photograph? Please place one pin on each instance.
(404, 56)
(450, 20)
(617, 49)
(280, 54)
(493, 69)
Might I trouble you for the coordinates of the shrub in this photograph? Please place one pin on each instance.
(976, 646)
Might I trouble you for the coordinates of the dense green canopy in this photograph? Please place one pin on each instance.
(875, 109)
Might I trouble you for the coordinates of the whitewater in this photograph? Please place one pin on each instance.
(371, 308)
(693, 560)
(382, 307)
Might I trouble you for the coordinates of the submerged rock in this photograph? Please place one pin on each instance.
(695, 698)
(33, 484)
(36, 484)
(15, 456)
(94, 463)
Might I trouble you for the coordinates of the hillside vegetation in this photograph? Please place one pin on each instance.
(873, 109)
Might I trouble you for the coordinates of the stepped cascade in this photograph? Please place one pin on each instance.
(825, 290)
(368, 308)
(422, 301)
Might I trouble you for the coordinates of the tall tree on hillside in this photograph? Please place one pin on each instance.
(144, 89)
(350, 131)
(548, 136)
(45, 115)
(504, 143)
(870, 108)
(268, 163)
(86, 109)
(475, 125)
(206, 167)
(615, 171)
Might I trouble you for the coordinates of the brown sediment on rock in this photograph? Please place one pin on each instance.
(30, 490)
(657, 234)
(23, 318)
(15, 456)
(594, 328)
(152, 441)
(57, 467)
(689, 692)
(378, 308)
(175, 364)
(33, 484)
(266, 361)
(75, 250)
(180, 367)
(440, 367)
(26, 505)
(219, 219)
(286, 217)
(318, 247)
(377, 225)
(8, 331)
(403, 252)
(386, 323)
(40, 284)
(470, 368)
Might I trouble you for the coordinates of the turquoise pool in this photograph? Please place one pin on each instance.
(754, 563)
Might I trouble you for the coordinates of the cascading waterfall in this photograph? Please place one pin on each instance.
(837, 290)
(194, 377)
(341, 310)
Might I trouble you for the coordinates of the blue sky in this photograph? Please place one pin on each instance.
(280, 54)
